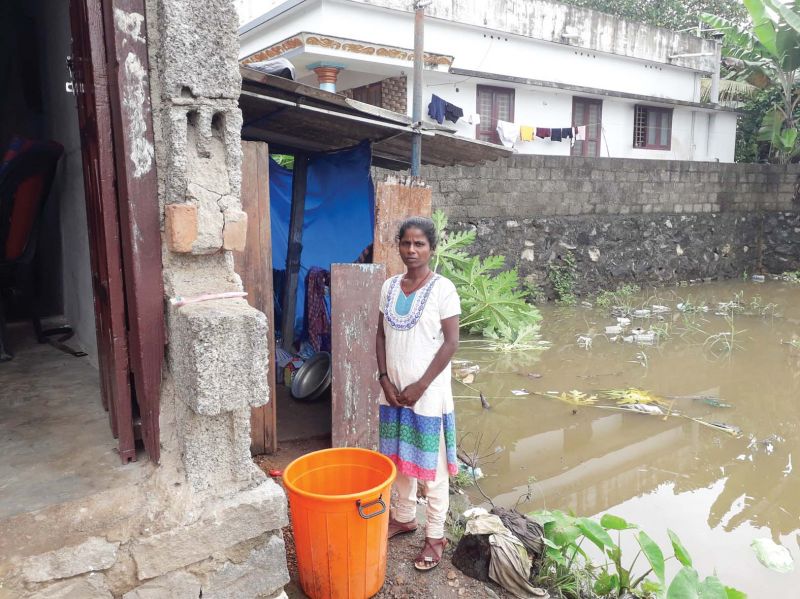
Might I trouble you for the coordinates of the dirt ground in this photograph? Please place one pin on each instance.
(402, 580)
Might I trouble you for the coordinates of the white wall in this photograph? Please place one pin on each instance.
(62, 126)
(546, 108)
(479, 49)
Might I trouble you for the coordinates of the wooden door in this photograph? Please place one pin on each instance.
(88, 66)
(254, 266)
(588, 113)
(493, 104)
(137, 203)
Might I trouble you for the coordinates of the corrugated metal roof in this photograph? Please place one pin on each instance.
(291, 117)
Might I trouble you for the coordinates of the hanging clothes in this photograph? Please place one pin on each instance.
(439, 110)
(526, 133)
(318, 315)
(452, 112)
(580, 133)
(566, 132)
(555, 134)
(542, 132)
(508, 133)
(436, 109)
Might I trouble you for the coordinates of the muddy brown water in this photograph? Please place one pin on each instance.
(717, 492)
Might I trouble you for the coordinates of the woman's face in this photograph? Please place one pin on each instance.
(415, 250)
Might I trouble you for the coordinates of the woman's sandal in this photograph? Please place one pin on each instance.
(401, 528)
(431, 554)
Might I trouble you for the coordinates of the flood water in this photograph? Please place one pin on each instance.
(717, 491)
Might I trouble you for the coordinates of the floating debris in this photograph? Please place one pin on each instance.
(534, 375)
(758, 278)
(578, 398)
(614, 330)
(644, 409)
(623, 322)
(661, 309)
(468, 379)
(642, 313)
(632, 396)
(773, 556)
(484, 404)
(768, 444)
(520, 392)
(584, 341)
(722, 427)
(715, 403)
(691, 308)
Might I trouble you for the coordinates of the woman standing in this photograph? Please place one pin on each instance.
(417, 337)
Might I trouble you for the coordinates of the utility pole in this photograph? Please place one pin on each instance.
(416, 104)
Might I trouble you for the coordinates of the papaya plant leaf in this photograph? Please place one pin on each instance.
(653, 554)
(680, 551)
(685, 585)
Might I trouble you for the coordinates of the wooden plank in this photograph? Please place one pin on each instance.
(289, 303)
(355, 390)
(137, 187)
(94, 116)
(396, 199)
(254, 266)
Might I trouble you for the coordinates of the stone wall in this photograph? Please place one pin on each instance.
(625, 220)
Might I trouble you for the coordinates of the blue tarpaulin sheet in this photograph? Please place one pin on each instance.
(339, 217)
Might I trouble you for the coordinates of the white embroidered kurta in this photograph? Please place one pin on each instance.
(411, 436)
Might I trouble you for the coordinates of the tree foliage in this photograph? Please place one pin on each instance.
(670, 14)
(765, 52)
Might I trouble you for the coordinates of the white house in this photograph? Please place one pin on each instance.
(533, 63)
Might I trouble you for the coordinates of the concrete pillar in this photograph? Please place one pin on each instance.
(216, 370)
(327, 74)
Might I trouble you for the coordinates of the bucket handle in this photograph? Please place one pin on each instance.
(361, 508)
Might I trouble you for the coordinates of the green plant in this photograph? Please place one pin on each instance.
(791, 276)
(565, 534)
(285, 160)
(492, 302)
(621, 297)
(562, 275)
(766, 54)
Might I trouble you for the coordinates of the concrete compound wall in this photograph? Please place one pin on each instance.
(626, 220)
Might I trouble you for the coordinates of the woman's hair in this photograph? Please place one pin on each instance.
(423, 224)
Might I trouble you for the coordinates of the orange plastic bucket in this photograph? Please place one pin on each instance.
(339, 503)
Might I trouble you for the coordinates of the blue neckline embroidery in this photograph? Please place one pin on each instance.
(405, 322)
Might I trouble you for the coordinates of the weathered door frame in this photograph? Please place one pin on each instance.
(254, 266)
(123, 213)
(137, 201)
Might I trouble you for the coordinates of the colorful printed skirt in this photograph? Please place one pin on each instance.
(411, 441)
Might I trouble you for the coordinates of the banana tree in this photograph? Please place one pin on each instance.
(766, 53)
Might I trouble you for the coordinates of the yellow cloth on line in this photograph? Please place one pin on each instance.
(526, 132)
